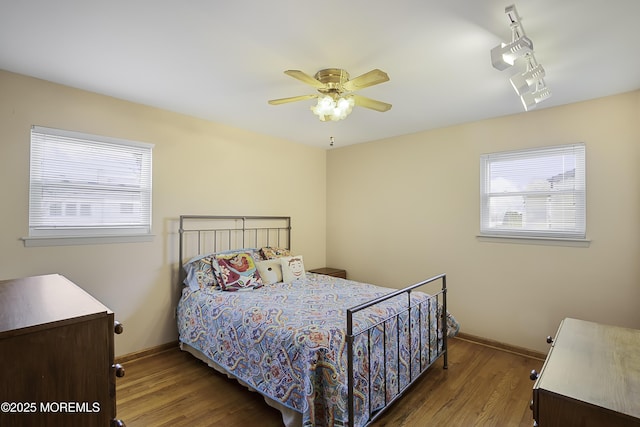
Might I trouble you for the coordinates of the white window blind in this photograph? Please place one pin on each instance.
(87, 185)
(534, 193)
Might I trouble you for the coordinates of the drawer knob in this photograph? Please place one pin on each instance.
(117, 423)
(119, 370)
(550, 339)
(117, 327)
(534, 375)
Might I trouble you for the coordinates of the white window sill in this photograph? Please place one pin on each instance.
(525, 240)
(85, 240)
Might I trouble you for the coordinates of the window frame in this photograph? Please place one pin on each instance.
(51, 176)
(578, 193)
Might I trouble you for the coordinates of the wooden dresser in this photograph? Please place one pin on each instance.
(591, 377)
(57, 351)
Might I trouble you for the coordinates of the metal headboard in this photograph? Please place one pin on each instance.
(203, 234)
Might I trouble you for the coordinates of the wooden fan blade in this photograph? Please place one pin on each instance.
(371, 78)
(292, 99)
(305, 78)
(371, 103)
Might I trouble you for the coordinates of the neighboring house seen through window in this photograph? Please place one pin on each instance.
(535, 193)
(86, 186)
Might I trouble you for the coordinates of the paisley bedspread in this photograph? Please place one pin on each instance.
(287, 341)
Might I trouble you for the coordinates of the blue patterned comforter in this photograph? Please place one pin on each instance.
(288, 342)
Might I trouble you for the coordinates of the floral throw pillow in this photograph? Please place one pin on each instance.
(292, 268)
(200, 273)
(271, 253)
(238, 271)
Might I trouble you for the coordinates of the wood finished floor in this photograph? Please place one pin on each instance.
(482, 387)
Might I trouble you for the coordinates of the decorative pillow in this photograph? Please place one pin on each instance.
(200, 272)
(238, 271)
(292, 268)
(270, 271)
(255, 253)
(270, 253)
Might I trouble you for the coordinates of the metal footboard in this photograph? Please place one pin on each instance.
(440, 300)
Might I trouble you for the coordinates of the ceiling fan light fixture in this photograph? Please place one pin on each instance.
(328, 108)
(337, 97)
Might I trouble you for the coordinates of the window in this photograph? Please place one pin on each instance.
(537, 193)
(88, 186)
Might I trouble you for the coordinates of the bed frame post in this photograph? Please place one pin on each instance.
(181, 272)
(350, 380)
(445, 331)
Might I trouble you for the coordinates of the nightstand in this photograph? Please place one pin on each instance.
(335, 272)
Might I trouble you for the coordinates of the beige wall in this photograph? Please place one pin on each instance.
(199, 167)
(392, 212)
(403, 209)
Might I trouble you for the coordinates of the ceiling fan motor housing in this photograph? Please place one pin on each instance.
(333, 79)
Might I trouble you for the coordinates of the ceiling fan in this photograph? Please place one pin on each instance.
(336, 97)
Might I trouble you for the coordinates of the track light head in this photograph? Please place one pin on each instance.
(531, 99)
(504, 55)
(523, 82)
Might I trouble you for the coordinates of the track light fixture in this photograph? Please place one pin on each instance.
(529, 85)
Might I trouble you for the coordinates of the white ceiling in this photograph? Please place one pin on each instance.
(222, 61)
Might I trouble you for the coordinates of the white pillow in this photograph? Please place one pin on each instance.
(270, 271)
(292, 268)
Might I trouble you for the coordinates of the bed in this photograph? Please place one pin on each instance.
(324, 351)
